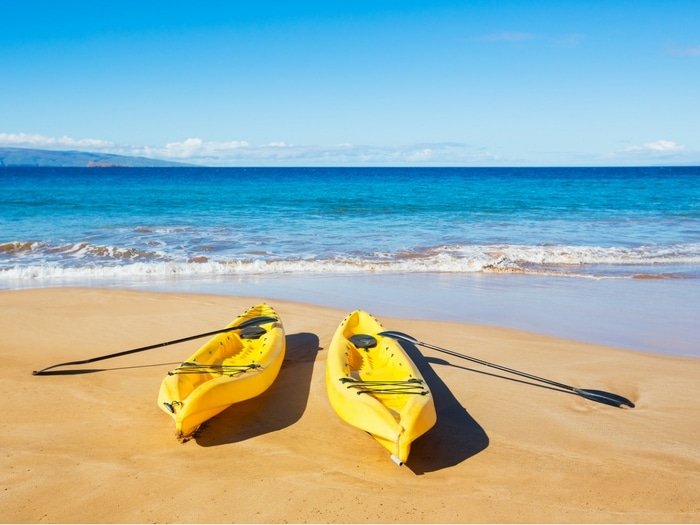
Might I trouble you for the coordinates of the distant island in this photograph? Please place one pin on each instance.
(18, 157)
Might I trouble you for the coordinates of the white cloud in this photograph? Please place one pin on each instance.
(194, 148)
(421, 156)
(659, 150)
(660, 146)
(684, 51)
(27, 140)
(241, 153)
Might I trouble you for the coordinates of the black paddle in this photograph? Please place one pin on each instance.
(250, 322)
(594, 395)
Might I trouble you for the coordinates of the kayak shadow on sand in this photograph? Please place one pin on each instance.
(280, 406)
(455, 437)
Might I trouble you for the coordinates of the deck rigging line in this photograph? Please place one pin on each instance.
(408, 386)
(229, 370)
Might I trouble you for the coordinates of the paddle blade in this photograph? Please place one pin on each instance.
(607, 398)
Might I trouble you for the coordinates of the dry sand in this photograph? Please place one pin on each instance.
(94, 447)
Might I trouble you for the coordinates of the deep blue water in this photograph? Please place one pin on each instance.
(595, 222)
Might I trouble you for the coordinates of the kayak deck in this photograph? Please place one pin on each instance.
(373, 385)
(231, 367)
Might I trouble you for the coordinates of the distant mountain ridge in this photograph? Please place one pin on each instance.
(18, 157)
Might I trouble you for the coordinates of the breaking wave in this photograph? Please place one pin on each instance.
(40, 261)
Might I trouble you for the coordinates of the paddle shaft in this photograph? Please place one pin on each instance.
(499, 367)
(593, 395)
(249, 322)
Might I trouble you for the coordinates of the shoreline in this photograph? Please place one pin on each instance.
(651, 315)
(503, 451)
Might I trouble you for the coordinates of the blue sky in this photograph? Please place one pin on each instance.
(395, 83)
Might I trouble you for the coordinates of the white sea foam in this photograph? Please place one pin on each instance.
(88, 261)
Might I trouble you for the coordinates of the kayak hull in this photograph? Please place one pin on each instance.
(373, 385)
(231, 367)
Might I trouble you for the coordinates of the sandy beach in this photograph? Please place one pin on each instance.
(93, 447)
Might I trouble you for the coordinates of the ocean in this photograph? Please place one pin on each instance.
(606, 255)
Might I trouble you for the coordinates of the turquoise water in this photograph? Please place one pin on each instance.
(544, 232)
(618, 222)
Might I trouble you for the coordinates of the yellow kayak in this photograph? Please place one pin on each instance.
(373, 385)
(231, 367)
